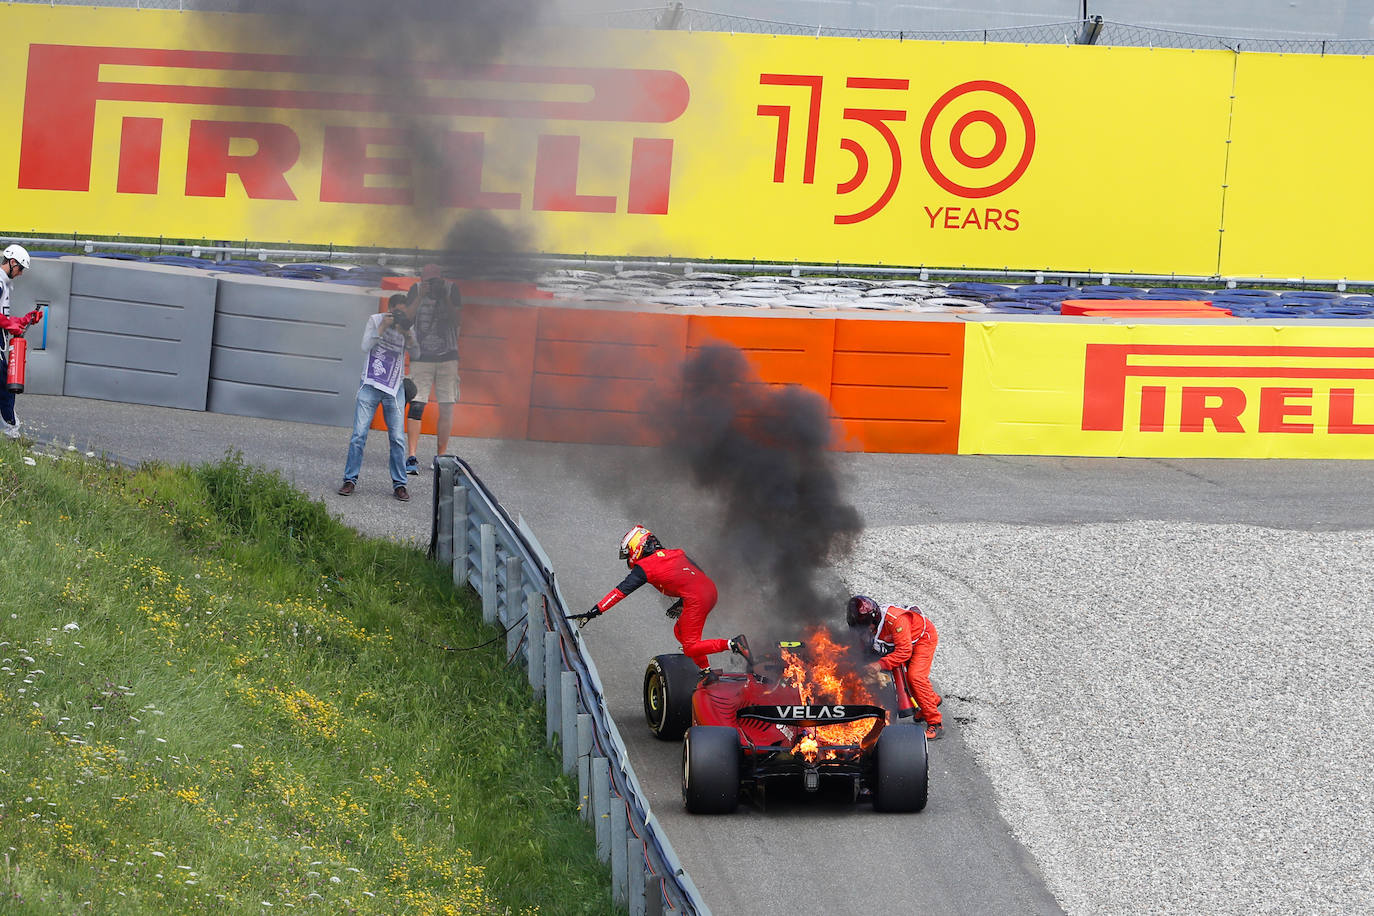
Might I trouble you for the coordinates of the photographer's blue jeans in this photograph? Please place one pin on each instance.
(368, 399)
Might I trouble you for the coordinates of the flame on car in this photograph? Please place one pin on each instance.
(827, 676)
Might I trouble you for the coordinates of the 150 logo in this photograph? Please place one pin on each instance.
(976, 141)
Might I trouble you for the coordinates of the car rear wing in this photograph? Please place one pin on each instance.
(812, 714)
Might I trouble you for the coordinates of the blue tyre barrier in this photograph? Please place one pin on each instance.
(231, 269)
(1276, 311)
(1344, 310)
(992, 290)
(1243, 294)
(296, 274)
(178, 260)
(1166, 292)
(1127, 292)
(1033, 290)
(318, 270)
(1316, 294)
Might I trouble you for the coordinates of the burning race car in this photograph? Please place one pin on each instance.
(793, 717)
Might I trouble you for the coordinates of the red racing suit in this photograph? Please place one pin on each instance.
(907, 639)
(674, 574)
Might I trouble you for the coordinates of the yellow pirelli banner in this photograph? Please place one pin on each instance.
(1300, 185)
(1168, 391)
(689, 145)
(701, 145)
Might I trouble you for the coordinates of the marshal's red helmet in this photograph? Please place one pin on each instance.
(637, 542)
(862, 610)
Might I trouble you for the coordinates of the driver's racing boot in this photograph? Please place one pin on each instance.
(708, 676)
(740, 646)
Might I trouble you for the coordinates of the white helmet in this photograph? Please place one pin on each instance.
(17, 253)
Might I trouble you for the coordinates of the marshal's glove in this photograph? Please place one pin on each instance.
(589, 615)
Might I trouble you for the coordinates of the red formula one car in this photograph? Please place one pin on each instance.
(785, 718)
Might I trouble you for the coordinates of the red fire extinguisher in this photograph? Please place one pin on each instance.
(18, 350)
(14, 375)
(906, 708)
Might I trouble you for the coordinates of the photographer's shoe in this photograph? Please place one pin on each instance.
(347, 488)
(412, 466)
(402, 494)
(11, 429)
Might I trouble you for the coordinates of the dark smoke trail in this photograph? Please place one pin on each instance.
(391, 45)
(763, 453)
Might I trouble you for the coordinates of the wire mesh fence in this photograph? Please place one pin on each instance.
(1092, 30)
(1121, 34)
(707, 21)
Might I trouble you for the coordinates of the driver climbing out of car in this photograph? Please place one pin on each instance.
(906, 639)
(676, 575)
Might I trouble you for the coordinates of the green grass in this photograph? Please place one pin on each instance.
(217, 698)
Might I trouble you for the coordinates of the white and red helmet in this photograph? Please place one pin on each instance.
(16, 253)
(637, 542)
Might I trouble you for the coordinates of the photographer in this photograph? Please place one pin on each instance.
(438, 314)
(386, 339)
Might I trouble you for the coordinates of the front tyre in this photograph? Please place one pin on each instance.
(710, 769)
(668, 685)
(901, 775)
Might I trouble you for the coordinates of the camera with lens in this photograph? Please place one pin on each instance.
(400, 319)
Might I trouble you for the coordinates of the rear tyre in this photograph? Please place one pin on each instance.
(901, 775)
(668, 685)
(710, 769)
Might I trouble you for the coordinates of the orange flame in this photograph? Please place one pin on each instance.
(826, 678)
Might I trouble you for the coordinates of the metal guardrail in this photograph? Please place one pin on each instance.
(503, 562)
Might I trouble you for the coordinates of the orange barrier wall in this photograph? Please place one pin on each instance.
(592, 375)
(905, 385)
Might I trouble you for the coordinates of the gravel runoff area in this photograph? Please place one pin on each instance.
(1175, 717)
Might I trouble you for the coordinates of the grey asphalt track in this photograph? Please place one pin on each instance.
(798, 855)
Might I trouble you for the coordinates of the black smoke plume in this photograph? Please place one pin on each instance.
(764, 454)
(389, 44)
